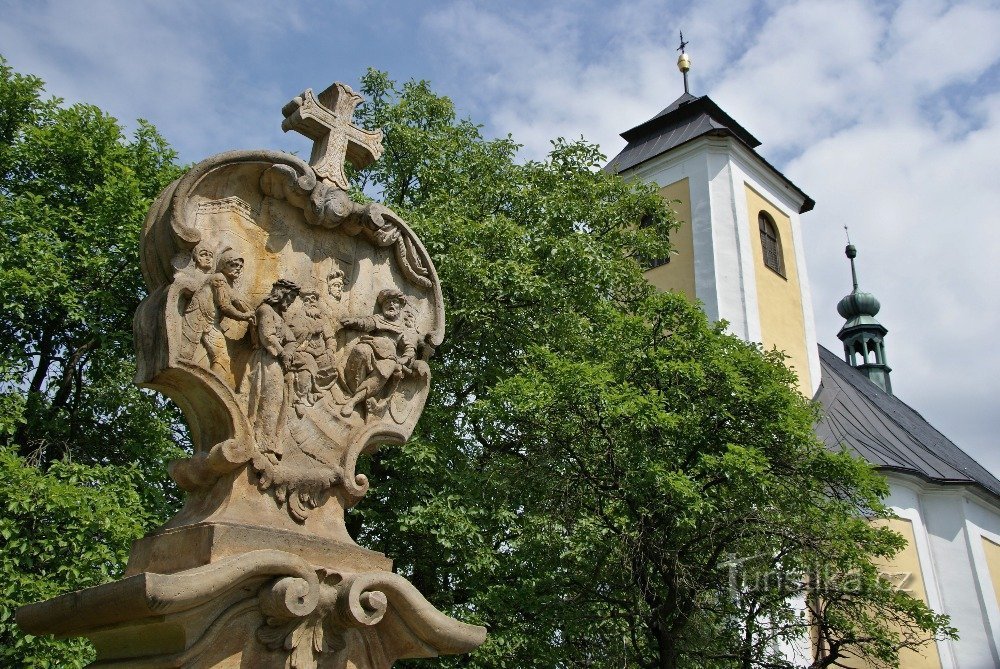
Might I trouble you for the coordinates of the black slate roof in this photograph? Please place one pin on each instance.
(886, 432)
(687, 118)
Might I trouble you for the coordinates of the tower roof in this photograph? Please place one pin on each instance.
(689, 107)
(886, 432)
(858, 308)
(683, 120)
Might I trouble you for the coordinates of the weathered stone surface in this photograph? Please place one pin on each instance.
(173, 550)
(292, 326)
(264, 608)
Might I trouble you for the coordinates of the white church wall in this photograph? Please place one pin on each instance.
(904, 500)
(983, 522)
(949, 524)
(729, 281)
(739, 178)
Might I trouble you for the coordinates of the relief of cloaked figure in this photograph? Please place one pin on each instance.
(210, 301)
(271, 369)
(315, 363)
(315, 340)
(332, 308)
(384, 355)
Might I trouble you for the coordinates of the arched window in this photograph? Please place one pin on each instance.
(650, 263)
(770, 243)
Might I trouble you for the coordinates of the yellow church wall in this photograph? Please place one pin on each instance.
(992, 550)
(779, 298)
(904, 571)
(678, 274)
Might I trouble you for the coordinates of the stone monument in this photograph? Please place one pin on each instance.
(292, 326)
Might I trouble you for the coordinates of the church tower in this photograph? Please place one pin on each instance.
(863, 336)
(739, 251)
(739, 248)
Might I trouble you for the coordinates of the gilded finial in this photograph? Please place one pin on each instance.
(683, 62)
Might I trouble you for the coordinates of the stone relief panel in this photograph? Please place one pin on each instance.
(293, 327)
(291, 324)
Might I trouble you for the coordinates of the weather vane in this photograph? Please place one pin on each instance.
(683, 62)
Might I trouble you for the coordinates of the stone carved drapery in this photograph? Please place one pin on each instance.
(292, 326)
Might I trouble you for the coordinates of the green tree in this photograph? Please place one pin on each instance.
(73, 196)
(67, 528)
(601, 476)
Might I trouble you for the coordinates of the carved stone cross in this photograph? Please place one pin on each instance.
(327, 121)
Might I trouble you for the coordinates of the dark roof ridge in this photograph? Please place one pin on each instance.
(684, 120)
(684, 107)
(921, 446)
(682, 100)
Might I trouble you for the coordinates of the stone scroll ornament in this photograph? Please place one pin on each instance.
(292, 325)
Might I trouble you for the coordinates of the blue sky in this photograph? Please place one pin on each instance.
(886, 113)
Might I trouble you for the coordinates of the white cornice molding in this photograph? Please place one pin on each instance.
(749, 161)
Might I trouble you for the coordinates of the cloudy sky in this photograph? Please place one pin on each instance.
(886, 113)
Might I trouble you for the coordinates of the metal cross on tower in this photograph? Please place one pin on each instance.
(683, 62)
(326, 119)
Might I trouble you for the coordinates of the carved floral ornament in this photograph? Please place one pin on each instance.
(291, 324)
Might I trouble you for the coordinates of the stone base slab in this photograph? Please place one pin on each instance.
(266, 609)
(182, 548)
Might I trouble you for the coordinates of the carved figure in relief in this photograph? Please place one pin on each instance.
(191, 280)
(382, 356)
(331, 307)
(203, 259)
(314, 337)
(211, 301)
(413, 365)
(270, 369)
(335, 284)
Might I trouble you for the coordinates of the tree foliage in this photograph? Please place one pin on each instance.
(63, 529)
(601, 476)
(73, 196)
(78, 440)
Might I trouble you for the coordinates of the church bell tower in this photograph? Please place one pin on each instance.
(739, 246)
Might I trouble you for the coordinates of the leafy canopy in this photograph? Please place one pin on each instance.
(64, 529)
(601, 476)
(82, 450)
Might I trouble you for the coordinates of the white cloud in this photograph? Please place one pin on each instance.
(150, 60)
(887, 113)
(537, 75)
(922, 208)
(877, 110)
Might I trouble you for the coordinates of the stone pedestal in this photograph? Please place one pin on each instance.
(262, 608)
(293, 327)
